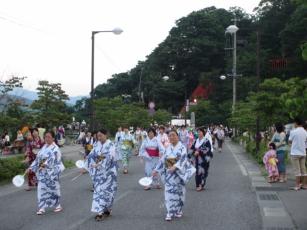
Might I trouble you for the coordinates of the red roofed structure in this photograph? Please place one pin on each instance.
(201, 92)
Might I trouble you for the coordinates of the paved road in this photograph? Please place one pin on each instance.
(228, 203)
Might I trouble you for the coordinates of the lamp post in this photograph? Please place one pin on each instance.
(232, 29)
(116, 31)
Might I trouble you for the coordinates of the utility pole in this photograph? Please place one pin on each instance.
(258, 137)
(234, 68)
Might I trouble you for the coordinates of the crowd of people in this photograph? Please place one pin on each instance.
(171, 155)
(18, 144)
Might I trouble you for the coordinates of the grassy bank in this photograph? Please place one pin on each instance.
(12, 166)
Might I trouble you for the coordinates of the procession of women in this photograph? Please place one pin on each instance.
(171, 157)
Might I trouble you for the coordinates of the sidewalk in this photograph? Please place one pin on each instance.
(294, 202)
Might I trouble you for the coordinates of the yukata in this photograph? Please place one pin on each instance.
(150, 151)
(48, 167)
(163, 139)
(184, 138)
(270, 162)
(202, 161)
(32, 148)
(191, 139)
(126, 145)
(117, 145)
(175, 182)
(138, 138)
(209, 137)
(104, 176)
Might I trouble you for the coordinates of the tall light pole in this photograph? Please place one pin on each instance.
(232, 29)
(116, 31)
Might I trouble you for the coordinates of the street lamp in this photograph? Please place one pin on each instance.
(115, 31)
(232, 29)
(222, 77)
(165, 78)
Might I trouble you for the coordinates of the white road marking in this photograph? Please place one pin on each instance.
(242, 168)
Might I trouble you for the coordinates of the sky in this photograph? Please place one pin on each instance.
(51, 39)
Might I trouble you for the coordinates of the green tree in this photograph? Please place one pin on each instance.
(11, 114)
(50, 105)
(294, 100)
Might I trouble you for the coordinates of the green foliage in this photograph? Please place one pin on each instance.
(244, 118)
(304, 51)
(10, 167)
(294, 101)
(68, 163)
(207, 112)
(275, 101)
(251, 148)
(51, 107)
(10, 84)
(12, 116)
(112, 113)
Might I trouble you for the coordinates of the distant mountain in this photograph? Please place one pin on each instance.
(32, 95)
(28, 94)
(73, 100)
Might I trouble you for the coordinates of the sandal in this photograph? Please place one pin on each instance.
(168, 217)
(99, 217)
(40, 212)
(158, 187)
(199, 189)
(295, 188)
(28, 189)
(107, 213)
(58, 209)
(179, 214)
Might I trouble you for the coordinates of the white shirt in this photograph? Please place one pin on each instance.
(298, 137)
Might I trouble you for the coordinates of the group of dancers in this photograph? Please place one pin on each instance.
(167, 157)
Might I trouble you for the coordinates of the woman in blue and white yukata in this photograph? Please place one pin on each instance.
(175, 171)
(101, 165)
(47, 167)
(126, 146)
(150, 151)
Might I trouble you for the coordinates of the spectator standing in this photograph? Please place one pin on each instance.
(297, 139)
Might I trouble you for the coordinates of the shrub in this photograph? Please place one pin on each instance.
(10, 167)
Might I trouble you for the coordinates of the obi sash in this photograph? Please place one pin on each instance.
(100, 158)
(42, 163)
(169, 162)
(89, 147)
(152, 152)
(127, 144)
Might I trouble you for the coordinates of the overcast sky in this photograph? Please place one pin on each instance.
(51, 40)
